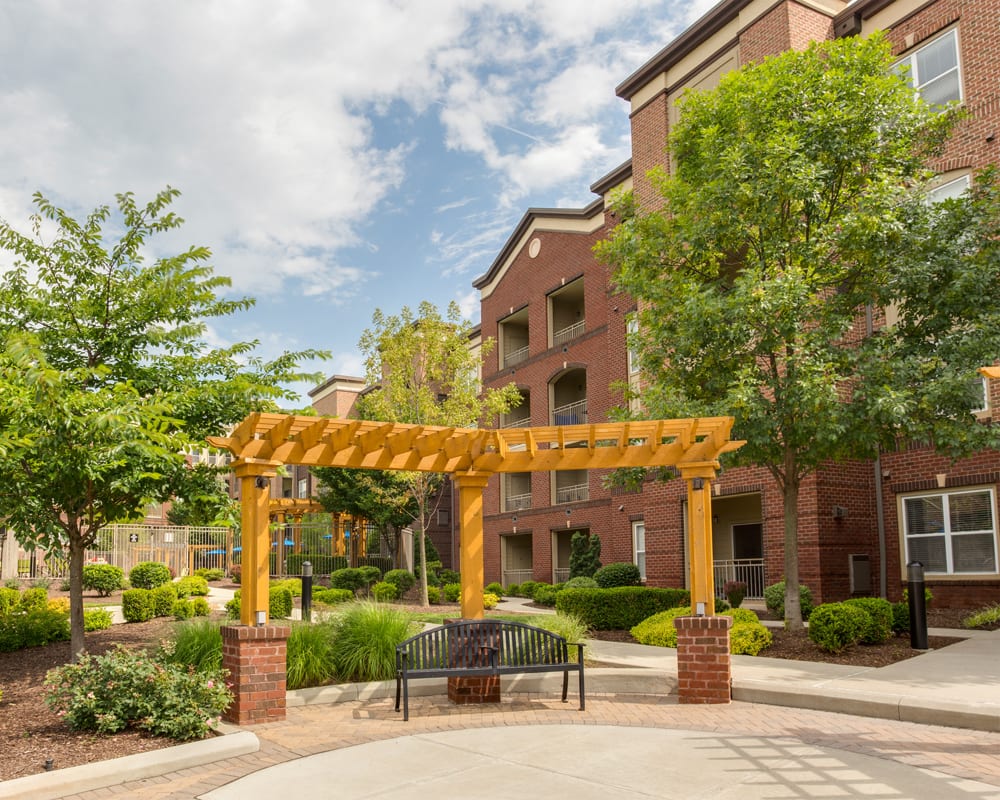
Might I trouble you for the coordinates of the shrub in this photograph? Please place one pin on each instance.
(580, 582)
(196, 644)
(620, 608)
(364, 645)
(236, 573)
(879, 626)
(309, 655)
(182, 609)
(34, 599)
(584, 554)
(210, 574)
(983, 618)
(149, 575)
(164, 596)
(900, 617)
(349, 578)
(41, 583)
(490, 600)
(749, 638)
(138, 605)
(446, 576)
(618, 574)
(13, 583)
(452, 592)
(96, 619)
(192, 585)
(514, 590)
(123, 688)
(200, 607)
(774, 599)
(103, 578)
(735, 592)
(433, 595)
(322, 564)
(332, 596)
(658, 630)
(527, 589)
(385, 592)
(294, 585)
(33, 628)
(836, 626)
(402, 579)
(59, 605)
(546, 595)
(494, 588)
(280, 603)
(369, 575)
(9, 598)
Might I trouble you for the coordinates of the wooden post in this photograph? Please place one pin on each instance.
(470, 509)
(699, 480)
(255, 491)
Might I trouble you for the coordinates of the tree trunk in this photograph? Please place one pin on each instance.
(76, 635)
(421, 545)
(793, 608)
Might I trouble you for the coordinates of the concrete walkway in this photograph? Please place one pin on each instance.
(777, 739)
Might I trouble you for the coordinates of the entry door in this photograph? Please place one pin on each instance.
(748, 540)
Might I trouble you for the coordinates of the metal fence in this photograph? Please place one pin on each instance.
(748, 570)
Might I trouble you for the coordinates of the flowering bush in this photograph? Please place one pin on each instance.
(122, 689)
(490, 600)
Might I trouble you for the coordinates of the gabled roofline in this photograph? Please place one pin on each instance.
(848, 21)
(607, 182)
(588, 212)
(707, 26)
(335, 379)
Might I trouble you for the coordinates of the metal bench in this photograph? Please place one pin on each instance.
(484, 648)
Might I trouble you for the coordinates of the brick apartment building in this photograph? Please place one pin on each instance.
(561, 337)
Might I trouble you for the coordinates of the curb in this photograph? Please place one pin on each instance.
(101, 774)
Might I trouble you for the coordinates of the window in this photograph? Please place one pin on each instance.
(949, 190)
(933, 70)
(952, 533)
(631, 329)
(639, 546)
(982, 393)
(303, 487)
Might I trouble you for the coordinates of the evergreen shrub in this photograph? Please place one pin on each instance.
(192, 585)
(879, 627)
(96, 619)
(403, 579)
(836, 626)
(774, 599)
(164, 596)
(620, 608)
(149, 575)
(385, 592)
(452, 592)
(104, 579)
(494, 588)
(618, 574)
(138, 605)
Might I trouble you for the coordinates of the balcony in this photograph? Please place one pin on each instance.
(517, 502)
(568, 333)
(570, 413)
(567, 313)
(519, 422)
(573, 493)
(513, 335)
(515, 356)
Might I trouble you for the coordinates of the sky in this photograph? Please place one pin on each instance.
(336, 157)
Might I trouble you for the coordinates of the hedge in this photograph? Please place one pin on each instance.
(620, 608)
(322, 564)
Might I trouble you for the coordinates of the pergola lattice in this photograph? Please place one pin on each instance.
(263, 442)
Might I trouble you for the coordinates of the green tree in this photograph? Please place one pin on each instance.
(796, 205)
(425, 373)
(109, 375)
(200, 497)
(379, 496)
(585, 554)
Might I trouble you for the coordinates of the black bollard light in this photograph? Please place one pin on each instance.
(307, 590)
(918, 605)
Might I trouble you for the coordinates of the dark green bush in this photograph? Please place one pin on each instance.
(584, 554)
(580, 582)
(900, 617)
(183, 609)
(546, 595)
(370, 575)
(332, 596)
(452, 592)
(403, 579)
(103, 578)
(322, 564)
(149, 575)
(879, 627)
(349, 578)
(279, 604)
(381, 563)
(836, 626)
(618, 574)
(138, 605)
(494, 588)
(164, 596)
(446, 576)
(514, 590)
(774, 599)
(210, 574)
(33, 628)
(200, 607)
(620, 608)
(433, 595)
(527, 589)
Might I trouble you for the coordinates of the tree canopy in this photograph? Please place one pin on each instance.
(794, 217)
(108, 373)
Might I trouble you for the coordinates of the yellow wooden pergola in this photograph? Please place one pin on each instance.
(263, 442)
(990, 372)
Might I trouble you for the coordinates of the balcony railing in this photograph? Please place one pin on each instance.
(570, 414)
(569, 332)
(515, 356)
(512, 576)
(520, 422)
(748, 570)
(560, 575)
(573, 494)
(517, 502)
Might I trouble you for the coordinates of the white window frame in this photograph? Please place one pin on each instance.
(984, 407)
(947, 533)
(631, 329)
(917, 81)
(949, 189)
(639, 546)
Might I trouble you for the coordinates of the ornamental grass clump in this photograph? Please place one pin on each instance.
(310, 655)
(364, 646)
(126, 689)
(196, 643)
(983, 618)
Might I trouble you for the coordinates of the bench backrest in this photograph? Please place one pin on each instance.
(468, 644)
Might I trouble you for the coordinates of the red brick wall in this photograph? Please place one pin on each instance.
(255, 659)
(650, 127)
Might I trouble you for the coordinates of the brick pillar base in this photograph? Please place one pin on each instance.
(703, 661)
(466, 691)
(468, 651)
(255, 658)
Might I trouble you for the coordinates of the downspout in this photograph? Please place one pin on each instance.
(879, 511)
